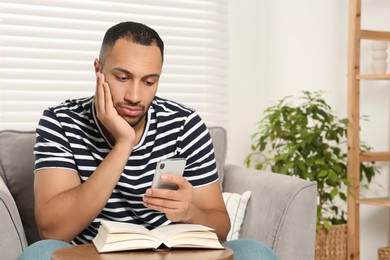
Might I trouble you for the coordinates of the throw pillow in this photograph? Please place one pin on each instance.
(236, 206)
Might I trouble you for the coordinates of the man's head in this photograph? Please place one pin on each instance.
(135, 32)
(131, 60)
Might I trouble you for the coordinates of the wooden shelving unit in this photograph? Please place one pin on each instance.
(375, 157)
(375, 202)
(355, 35)
(373, 77)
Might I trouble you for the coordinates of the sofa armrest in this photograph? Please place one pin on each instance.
(281, 212)
(12, 236)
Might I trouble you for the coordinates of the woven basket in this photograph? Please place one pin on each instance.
(332, 244)
(384, 253)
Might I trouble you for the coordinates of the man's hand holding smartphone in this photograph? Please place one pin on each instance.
(171, 193)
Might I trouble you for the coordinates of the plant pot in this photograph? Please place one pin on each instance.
(384, 253)
(332, 244)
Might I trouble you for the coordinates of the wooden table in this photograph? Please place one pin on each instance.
(88, 251)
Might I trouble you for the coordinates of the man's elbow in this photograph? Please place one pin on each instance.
(225, 229)
(54, 235)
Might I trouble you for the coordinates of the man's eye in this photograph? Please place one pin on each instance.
(121, 78)
(149, 83)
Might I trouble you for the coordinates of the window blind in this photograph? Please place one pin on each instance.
(47, 50)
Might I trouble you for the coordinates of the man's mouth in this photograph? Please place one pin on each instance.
(130, 111)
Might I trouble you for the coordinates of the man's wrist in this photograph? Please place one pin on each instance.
(186, 218)
(124, 146)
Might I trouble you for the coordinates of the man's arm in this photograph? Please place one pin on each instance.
(203, 205)
(63, 206)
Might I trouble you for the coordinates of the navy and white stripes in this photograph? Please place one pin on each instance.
(68, 136)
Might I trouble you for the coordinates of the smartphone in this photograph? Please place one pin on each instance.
(172, 166)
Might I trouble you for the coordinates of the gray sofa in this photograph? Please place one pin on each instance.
(280, 213)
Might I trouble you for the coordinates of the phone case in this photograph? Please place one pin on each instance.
(173, 166)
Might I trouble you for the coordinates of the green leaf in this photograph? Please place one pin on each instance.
(343, 196)
(322, 174)
(327, 224)
(334, 192)
(332, 176)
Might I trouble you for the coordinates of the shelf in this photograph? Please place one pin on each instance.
(374, 35)
(375, 157)
(356, 36)
(373, 77)
(384, 202)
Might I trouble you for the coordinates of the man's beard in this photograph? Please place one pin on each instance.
(135, 123)
(144, 108)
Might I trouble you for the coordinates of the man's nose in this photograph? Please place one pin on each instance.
(133, 93)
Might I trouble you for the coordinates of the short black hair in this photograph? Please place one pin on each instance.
(135, 32)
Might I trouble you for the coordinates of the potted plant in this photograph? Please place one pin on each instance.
(306, 139)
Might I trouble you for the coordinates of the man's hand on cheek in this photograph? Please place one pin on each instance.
(107, 114)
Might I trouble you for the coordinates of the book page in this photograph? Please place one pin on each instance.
(171, 230)
(123, 227)
(118, 237)
(101, 246)
(187, 235)
(193, 242)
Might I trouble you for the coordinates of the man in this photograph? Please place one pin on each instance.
(96, 156)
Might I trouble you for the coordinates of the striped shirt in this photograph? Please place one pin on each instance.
(68, 136)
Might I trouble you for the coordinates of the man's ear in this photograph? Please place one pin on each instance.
(96, 64)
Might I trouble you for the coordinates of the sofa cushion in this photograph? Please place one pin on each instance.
(219, 137)
(16, 169)
(236, 207)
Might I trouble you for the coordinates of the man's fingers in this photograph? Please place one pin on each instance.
(103, 98)
(99, 94)
(161, 203)
(179, 180)
(107, 97)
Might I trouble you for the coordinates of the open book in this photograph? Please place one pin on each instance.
(120, 236)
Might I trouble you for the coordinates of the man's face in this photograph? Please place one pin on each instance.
(132, 71)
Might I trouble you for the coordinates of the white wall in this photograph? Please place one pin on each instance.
(282, 47)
